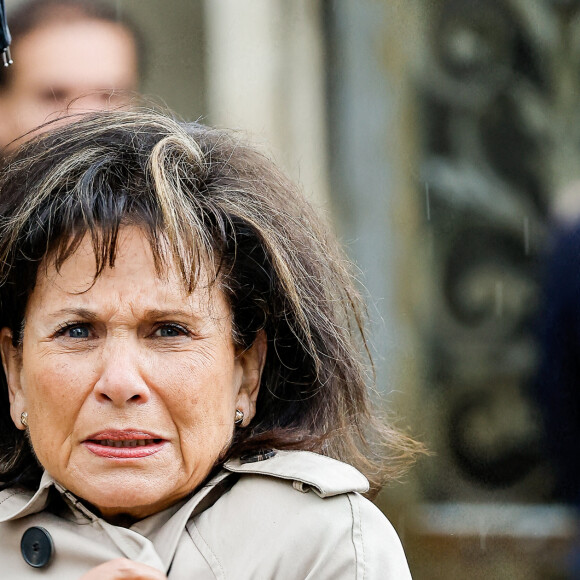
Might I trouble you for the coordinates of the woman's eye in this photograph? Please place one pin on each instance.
(79, 332)
(75, 331)
(170, 331)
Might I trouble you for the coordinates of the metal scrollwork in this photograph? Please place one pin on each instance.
(500, 93)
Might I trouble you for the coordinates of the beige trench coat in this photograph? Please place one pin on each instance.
(293, 516)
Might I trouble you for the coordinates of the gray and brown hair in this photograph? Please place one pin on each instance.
(207, 202)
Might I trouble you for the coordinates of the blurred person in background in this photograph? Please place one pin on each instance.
(555, 384)
(68, 54)
(558, 328)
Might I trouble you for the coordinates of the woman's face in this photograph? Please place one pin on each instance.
(130, 384)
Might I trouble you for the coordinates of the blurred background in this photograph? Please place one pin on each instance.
(442, 139)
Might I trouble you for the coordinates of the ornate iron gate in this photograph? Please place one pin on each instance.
(500, 93)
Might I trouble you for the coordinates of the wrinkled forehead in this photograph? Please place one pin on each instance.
(133, 254)
(132, 289)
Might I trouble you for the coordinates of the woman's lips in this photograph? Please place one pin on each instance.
(124, 444)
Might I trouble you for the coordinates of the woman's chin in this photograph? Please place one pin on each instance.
(125, 515)
(133, 496)
(133, 504)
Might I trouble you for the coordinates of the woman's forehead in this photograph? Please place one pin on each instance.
(135, 276)
(135, 245)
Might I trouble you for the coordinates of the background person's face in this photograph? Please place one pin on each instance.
(57, 63)
(130, 384)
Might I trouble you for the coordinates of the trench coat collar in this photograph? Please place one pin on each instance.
(19, 502)
(307, 471)
(324, 475)
(162, 529)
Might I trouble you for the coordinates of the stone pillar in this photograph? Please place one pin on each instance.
(265, 75)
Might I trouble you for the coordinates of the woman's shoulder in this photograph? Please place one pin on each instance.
(299, 515)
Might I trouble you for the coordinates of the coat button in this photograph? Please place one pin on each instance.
(36, 547)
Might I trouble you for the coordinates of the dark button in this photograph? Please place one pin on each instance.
(36, 547)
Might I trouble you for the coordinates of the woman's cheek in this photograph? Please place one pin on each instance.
(55, 397)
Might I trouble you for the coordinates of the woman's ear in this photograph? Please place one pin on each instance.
(12, 363)
(252, 361)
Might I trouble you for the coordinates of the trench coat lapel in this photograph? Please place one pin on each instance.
(17, 503)
(152, 540)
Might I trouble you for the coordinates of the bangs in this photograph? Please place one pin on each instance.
(101, 189)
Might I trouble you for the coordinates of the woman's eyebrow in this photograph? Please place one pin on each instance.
(82, 313)
(161, 313)
(149, 314)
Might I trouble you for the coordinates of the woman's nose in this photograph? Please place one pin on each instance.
(121, 380)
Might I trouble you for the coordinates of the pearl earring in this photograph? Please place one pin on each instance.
(239, 417)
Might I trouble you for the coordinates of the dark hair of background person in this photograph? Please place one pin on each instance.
(33, 14)
(207, 202)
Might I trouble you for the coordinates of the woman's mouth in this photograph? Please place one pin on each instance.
(123, 444)
(126, 442)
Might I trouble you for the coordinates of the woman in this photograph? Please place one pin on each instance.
(180, 341)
